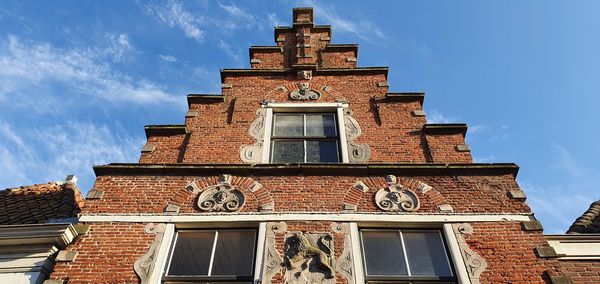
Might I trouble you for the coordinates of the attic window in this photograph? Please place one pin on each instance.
(305, 138)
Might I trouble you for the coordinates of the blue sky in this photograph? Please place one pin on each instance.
(78, 80)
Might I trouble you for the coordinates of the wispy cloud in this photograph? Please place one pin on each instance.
(236, 12)
(273, 20)
(234, 55)
(167, 58)
(175, 15)
(560, 202)
(119, 46)
(361, 28)
(434, 116)
(52, 152)
(26, 65)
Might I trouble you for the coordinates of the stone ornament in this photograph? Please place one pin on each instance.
(474, 263)
(304, 93)
(357, 153)
(143, 266)
(308, 258)
(221, 197)
(396, 197)
(305, 74)
(253, 153)
(344, 265)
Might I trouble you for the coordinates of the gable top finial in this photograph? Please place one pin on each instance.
(302, 16)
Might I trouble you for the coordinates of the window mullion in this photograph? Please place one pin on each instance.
(404, 252)
(212, 254)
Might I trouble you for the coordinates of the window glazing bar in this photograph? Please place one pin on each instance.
(404, 252)
(212, 254)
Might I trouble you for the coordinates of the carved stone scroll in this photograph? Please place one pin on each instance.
(221, 197)
(395, 197)
(272, 258)
(344, 264)
(143, 266)
(357, 153)
(253, 153)
(308, 258)
(474, 263)
(305, 93)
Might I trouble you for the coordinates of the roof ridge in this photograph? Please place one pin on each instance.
(588, 222)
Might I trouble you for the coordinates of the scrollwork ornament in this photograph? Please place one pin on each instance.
(305, 93)
(397, 198)
(221, 197)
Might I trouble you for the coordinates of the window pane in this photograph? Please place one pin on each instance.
(320, 125)
(288, 151)
(383, 253)
(426, 254)
(321, 151)
(191, 255)
(234, 253)
(289, 125)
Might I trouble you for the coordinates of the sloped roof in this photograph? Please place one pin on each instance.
(589, 222)
(39, 203)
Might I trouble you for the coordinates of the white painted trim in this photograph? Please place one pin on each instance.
(579, 249)
(357, 256)
(260, 251)
(163, 255)
(268, 127)
(342, 133)
(315, 216)
(459, 264)
(305, 105)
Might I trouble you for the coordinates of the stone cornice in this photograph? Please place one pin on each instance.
(158, 130)
(405, 96)
(308, 169)
(204, 98)
(446, 128)
(59, 235)
(319, 71)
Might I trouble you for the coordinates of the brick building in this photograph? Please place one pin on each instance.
(308, 169)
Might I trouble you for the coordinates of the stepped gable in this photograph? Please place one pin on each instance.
(40, 203)
(588, 222)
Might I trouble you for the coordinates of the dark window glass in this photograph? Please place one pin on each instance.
(305, 138)
(406, 255)
(207, 256)
(426, 254)
(383, 253)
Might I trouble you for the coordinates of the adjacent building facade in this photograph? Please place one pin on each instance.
(308, 169)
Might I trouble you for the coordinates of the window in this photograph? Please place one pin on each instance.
(305, 138)
(213, 256)
(405, 256)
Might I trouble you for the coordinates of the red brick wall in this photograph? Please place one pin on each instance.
(268, 60)
(150, 194)
(443, 148)
(168, 149)
(106, 254)
(338, 59)
(509, 253)
(581, 271)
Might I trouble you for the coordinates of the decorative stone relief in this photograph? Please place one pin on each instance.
(253, 153)
(474, 263)
(344, 265)
(221, 197)
(143, 266)
(357, 153)
(305, 93)
(272, 257)
(308, 258)
(305, 74)
(395, 197)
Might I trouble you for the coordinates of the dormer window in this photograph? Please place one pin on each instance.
(305, 138)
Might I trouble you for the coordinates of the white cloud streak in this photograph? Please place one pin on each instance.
(25, 66)
(176, 16)
(51, 153)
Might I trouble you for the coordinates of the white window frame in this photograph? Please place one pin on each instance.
(337, 108)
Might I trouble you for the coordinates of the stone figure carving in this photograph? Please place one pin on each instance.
(357, 153)
(474, 263)
(305, 93)
(395, 197)
(305, 74)
(253, 153)
(309, 258)
(143, 266)
(221, 197)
